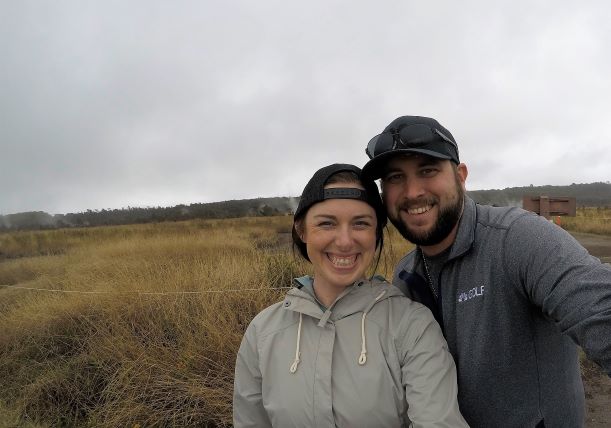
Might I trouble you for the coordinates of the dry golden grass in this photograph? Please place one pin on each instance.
(589, 220)
(124, 358)
(127, 358)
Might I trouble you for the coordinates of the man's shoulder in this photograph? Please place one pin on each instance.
(500, 217)
(520, 225)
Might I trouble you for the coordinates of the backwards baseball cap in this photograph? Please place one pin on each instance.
(315, 192)
(409, 134)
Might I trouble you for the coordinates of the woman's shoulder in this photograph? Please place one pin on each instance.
(273, 318)
(272, 311)
(403, 310)
(394, 294)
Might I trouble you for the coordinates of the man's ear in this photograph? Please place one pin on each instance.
(462, 172)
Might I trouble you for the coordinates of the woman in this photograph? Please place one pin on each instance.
(342, 350)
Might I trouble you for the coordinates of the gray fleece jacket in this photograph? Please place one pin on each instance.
(372, 359)
(517, 294)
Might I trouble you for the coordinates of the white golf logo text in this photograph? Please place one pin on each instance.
(470, 294)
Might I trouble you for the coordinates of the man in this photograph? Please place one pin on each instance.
(513, 292)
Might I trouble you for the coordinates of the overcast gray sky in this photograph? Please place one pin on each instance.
(109, 104)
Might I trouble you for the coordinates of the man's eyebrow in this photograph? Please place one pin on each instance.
(429, 161)
(389, 170)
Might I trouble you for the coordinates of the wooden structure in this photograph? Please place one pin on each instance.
(549, 207)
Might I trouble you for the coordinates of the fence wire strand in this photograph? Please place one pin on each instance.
(157, 293)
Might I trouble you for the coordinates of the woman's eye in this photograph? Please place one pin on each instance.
(325, 224)
(362, 224)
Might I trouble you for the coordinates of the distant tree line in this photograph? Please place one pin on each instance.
(586, 195)
(132, 215)
(591, 195)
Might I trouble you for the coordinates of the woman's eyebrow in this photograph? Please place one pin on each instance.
(363, 216)
(325, 216)
(331, 216)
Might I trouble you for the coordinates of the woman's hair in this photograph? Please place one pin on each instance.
(344, 177)
(337, 174)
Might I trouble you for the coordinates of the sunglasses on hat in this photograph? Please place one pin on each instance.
(417, 137)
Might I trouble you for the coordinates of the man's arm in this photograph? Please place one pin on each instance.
(558, 275)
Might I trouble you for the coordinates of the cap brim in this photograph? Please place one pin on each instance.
(375, 168)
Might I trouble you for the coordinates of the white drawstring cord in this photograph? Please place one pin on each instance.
(363, 356)
(293, 368)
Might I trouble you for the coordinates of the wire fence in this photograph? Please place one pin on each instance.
(136, 292)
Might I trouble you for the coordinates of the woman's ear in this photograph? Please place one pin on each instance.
(300, 230)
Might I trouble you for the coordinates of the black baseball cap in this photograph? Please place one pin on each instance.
(409, 134)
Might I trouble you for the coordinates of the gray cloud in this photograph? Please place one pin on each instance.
(145, 103)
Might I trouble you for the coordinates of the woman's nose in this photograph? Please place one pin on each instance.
(343, 239)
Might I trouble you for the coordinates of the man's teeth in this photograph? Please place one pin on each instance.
(342, 261)
(419, 210)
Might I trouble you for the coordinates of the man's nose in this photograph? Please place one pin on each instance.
(413, 189)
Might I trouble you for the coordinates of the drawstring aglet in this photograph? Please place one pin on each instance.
(363, 356)
(293, 368)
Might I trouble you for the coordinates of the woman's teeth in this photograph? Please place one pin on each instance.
(342, 261)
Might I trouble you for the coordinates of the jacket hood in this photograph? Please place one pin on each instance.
(355, 298)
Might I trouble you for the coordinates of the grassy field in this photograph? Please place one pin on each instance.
(145, 322)
(139, 335)
(589, 220)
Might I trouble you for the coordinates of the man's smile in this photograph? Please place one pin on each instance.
(419, 210)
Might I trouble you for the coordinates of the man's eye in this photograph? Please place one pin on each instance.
(427, 172)
(393, 178)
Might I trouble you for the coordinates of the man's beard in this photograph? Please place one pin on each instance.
(448, 218)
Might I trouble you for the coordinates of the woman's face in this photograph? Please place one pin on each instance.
(340, 237)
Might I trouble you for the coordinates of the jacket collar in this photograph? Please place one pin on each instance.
(355, 298)
(466, 229)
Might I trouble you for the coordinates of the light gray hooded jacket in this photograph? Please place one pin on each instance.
(373, 359)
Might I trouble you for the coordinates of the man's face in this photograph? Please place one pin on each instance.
(424, 197)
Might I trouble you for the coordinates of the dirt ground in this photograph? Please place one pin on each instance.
(598, 245)
(596, 383)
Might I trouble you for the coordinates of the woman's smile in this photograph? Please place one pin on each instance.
(342, 261)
